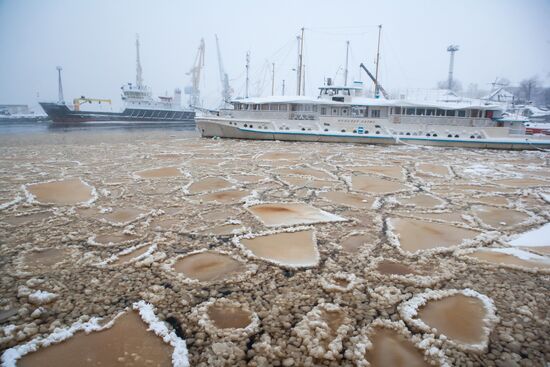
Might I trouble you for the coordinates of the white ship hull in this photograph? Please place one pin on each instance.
(378, 131)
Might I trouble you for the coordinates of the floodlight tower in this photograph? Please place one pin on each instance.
(452, 49)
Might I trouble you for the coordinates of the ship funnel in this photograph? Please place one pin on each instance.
(329, 81)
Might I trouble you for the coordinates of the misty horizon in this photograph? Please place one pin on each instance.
(95, 45)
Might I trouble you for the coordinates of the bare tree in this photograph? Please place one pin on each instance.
(529, 87)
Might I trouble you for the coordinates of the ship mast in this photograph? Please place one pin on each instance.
(376, 87)
(300, 62)
(139, 79)
(247, 71)
(346, 70)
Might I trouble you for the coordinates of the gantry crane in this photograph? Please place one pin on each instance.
(195, 72)
(227, 91)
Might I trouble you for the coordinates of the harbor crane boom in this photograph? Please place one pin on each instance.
(227, 91)
(195, 72)
(376, 84)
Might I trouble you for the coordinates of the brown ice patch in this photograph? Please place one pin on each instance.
(376, 185)
(392, 267)
(207, 266)
(121, 216)
(159, 172)
(225, 197)
(293, 249)
(224, 229)
(45, 258)
(209, 184)
(248, 178)
(17, 220)
(390, 171)
(490, 200)
(226, 319)
(113, 238)
(494, 256)
(458, 317)
(166, 224)
(390, 348)
(65, 192)
(465, 317)
(127, 343)
(345, 198)
(321, 175)
(422, 201)
(288, 214)
(280, 155)
(220, 214)
(298, 181)
(422, 272)
(229, 316)
(522, 182)
(499, 217)
(417, 235)
(442, 216)
(434, 169)
(355, 242)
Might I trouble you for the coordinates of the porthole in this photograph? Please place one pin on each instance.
(434, 135)
(303, 129)
(326, 129)
(343, 131)
(245, 125)
(428, 135)
(366, 131)
(408, 134)
(479, 136)
(355, 131)
(472, 137)
(456, 136)
(251, 126)
(377, 132)
(450, 135)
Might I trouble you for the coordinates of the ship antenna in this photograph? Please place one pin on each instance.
(60, 98)
(139, 79)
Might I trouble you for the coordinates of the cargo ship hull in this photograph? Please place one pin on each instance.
(61, 114)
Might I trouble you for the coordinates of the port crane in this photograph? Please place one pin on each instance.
(195, 72)
(377, 85)
(78, 101)
(227, 91)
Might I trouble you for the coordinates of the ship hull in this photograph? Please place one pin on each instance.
(211, 127)
(61, 114)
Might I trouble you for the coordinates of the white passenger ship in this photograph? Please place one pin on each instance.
(343, 114)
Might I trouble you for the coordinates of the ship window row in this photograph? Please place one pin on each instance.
(353, 111)
(261, 107)
(419, 111)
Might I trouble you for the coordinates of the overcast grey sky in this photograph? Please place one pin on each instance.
(94, 42)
